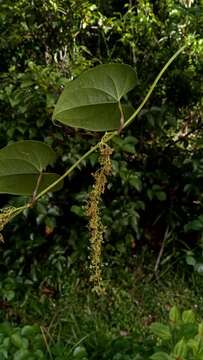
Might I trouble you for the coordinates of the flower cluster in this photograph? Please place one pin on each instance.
(94, 214)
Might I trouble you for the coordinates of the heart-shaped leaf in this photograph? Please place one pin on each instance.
(21, 167)
(36, 153)
(91, 100)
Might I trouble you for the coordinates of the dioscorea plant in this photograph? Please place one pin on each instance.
(93, 101)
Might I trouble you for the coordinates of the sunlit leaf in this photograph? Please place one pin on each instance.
(161, 330)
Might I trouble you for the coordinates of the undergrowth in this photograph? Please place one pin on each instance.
(73, 322)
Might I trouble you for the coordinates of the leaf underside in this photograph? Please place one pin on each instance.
(25, 184)
(91, 101)
(36, 153)
(21, 165)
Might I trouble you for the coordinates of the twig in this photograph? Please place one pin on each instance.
(166, 236)
(183, 137)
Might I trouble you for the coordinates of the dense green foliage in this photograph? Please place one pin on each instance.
(154, 197)
(181, 338)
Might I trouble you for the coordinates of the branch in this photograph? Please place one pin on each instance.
(183, 137)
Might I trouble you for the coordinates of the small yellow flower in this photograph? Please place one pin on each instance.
(93, 212)
(6, 215)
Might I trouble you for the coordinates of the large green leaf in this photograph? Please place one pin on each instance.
(21, 165)
(36, 153)
(24, 184)
(91, 101)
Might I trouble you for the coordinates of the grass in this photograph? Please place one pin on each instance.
(116, 324)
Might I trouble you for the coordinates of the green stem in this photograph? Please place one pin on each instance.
(114, 133)
(132, 117)
(67, 172)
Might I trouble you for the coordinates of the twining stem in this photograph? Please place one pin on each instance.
(132, 117)
(56, 182)
(110, 135)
